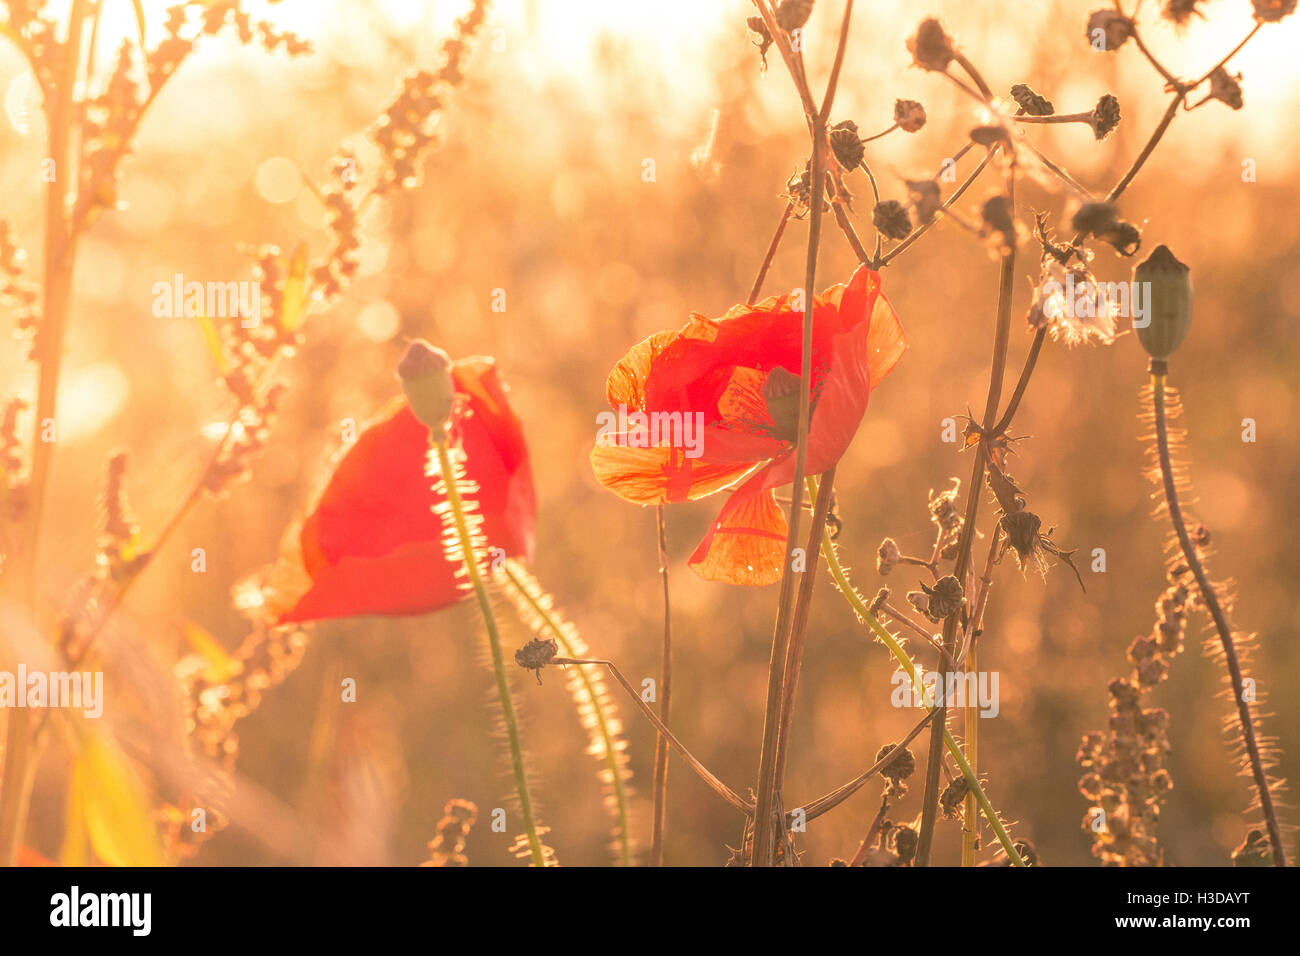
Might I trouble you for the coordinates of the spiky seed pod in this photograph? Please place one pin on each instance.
(1167, 286)
(1030, 102)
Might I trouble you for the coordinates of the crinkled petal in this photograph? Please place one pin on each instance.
(746, 544)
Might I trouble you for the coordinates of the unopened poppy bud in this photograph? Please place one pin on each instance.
(425, 373)
(1167, 287)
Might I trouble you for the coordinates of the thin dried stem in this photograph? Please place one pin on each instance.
(771, 253)
(720, 788)
(665, 703)
(830, 801)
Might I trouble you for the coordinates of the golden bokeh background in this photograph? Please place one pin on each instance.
(537, 190)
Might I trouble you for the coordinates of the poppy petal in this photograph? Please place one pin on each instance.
(370, 543)
(652, 476)
(746, 544)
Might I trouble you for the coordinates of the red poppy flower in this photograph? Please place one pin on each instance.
(370, 542)
(737, 378)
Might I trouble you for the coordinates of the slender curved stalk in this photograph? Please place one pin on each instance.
(1213, 605)
(470, 561)
(860, 608)
(720, 788)
(608, 736)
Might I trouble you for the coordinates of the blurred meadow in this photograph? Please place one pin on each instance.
(535, 189)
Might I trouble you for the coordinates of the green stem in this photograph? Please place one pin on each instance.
(1212, 604)
(602, 721)
(860, 608)
(494, 643)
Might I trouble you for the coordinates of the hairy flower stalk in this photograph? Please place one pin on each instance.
(597, 710)
(1210, 597)
(865, 614)
(451, 484)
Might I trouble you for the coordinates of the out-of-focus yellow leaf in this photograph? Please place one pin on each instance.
(213, 341)
(118, 817)
(293, 305)
(75, 850)
(221, 666)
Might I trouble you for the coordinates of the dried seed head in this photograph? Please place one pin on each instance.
(1022, 529)
(931, 47)
(793, 14)
(887, 556)
(879, 600)
(1105, 116)
(909, 115)
(988, 136)
(891, 219)
(1226, 88)
(1030, 102)
(953, 795)
(846, 144)
(998, 224)
(924, 196)
(1101, 219)
(1109, 27)
(901, 767)
(1255, 850)
(1180, 11)
(536, 654)
(1270, 11)
(943, 599)
(1167, 284)
(905, 842)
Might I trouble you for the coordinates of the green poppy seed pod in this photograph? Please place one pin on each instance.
(425, 374)
(1166, 285)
